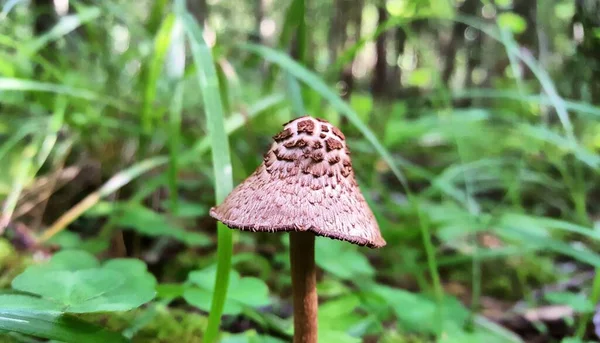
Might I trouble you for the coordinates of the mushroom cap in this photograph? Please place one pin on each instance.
(305, 183)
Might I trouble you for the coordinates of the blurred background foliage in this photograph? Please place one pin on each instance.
(475, 132)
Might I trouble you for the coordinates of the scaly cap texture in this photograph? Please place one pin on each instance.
(305, 183)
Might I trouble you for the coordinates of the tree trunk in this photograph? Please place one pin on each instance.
(354, 21)
(378, 82)
(587, 16)
(468, 8)
(259, 15)
(395, 82)
(337, 29)
(45, 16)
(199, 8)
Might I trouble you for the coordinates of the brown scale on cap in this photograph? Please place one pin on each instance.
(283, 135)
(307, 126)
(305, 183)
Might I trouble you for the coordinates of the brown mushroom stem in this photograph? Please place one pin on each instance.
(304, 286)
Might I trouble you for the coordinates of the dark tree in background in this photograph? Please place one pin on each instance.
(199, 9)
(586, 22)
(379, 80)
(457, 40)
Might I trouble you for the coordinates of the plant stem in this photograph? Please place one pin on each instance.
(304, 286)
(594, 298)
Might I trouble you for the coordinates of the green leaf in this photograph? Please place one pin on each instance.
(14, 84)
(55, 326)
(362, 104)
(422, 310)
(421, 77)
(339, 314)
(221, 161)
(249, 336)
(342, 260)
(161, 45)
(574, 340)
(27, 302)
(65, 25)
(66, 240)
(145, 221)
(74, 282)
(512, 22)
(337, 336)
(187, 209)
(243, 291)
(564, 10)
(577, 301)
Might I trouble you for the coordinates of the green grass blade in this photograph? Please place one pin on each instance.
(293, 20)
(23, 85)
(56, 122)
(588, 109)
(295, 95)
(161, 45)
(158, 8)
(19, 183)
(7, 7)
(55, 326)
(178, 51)
(64, 26)
(209, 85)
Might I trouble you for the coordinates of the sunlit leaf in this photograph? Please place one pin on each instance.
(74, 282)
(512, 22)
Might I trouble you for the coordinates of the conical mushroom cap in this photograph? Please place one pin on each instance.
(305, 183)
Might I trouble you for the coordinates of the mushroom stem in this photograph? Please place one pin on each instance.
(304, 286)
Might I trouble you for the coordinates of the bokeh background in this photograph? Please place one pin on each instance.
(474, 127)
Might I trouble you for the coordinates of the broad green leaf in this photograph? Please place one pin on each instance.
(27, 302)
(74, 281)
(66, 240)
(187, 209)
(341, 259)
(340, 314)
(455, 334)
(70, 260)
(243, 291)
(422, 310)
(55, 326)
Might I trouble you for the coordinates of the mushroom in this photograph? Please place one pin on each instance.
(306, 186)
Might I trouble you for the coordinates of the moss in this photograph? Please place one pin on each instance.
(167, 324)
(11, 263)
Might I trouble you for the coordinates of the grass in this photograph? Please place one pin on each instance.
(460, 194)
